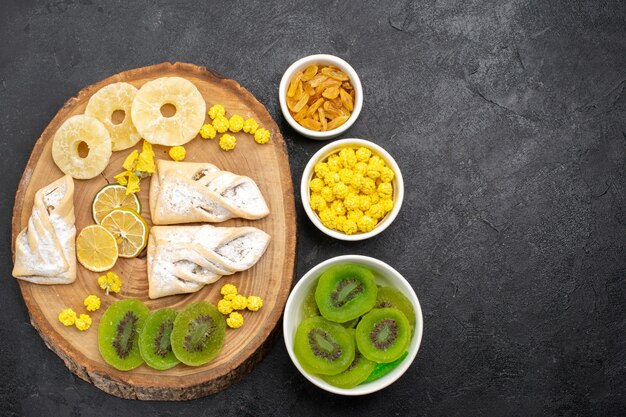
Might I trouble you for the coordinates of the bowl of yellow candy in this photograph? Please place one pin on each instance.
(352, 189)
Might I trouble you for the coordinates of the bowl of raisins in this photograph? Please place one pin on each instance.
(321, 96)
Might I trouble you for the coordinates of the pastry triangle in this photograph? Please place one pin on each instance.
(182, 259)
(188, 192)
(45, 251)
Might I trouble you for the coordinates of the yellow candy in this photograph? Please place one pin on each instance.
(235, 123)
(386, 174)
(83, 322)
(375, 211)
(368, 186)
(348, 157)
(345, 175)
(207, 131)
(250, 126)
(235, 320)
(334, 163)
(357, 180)
(262, 136)
(254, 303)
(363, 154)
(317, 202)
(67, 317)
(327, 194)
(364, 203)
(225, 307)
(365, 224)
(228, 142)
(340, 222)
(350, 227)
(385, 189)
(228, 289)
(331, 178)
(338, 208)
(239, 302)
(340, 190)
(316, 185)
(92, 302)
(352, 202)
(355, 215)
(360, 168)
(328, 218)
(220, 123)
(321, 169)
(177, 153)
(110, 282)
(216, 110)
(386, 204)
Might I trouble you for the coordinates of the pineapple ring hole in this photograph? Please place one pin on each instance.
(82, 149)
(168, 110)
(118, 117)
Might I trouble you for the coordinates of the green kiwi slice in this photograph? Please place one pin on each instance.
(345, 292)
(391, 297)
(358, 371)
(309, 307)
(383, 335)
(198, 333)
(323, 347)
(154, 340)
(118, 333)
(383, 369)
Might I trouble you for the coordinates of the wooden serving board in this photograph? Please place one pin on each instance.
(270, 278)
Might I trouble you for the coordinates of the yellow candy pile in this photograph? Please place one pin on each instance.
(352, 190)
(222, 124)
(232, 301)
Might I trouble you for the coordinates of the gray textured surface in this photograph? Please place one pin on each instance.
(508, 120)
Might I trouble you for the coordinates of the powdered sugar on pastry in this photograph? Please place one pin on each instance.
(182, 259)
(45, 250)
(187, 192)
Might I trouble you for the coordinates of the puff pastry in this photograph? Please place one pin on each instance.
(187, 192)
(45, 251)
(182, 259)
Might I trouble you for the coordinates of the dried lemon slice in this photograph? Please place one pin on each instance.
(110, 197)
(77, 130)
(106, 101)
(130, 231)
(149, 108)
(96, 248)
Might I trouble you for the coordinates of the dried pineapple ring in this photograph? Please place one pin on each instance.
(75, 130)
(158, 129)
(113, 97)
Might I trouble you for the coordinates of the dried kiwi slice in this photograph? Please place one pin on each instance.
(154, 340)
(323, 347)
(345, 292)
(118, 333)
(383, 335)
(198, 333)
(358, 371)
(309, 307)
(391, 297)
(383, 369)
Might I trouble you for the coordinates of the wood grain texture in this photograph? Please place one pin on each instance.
(271, 278)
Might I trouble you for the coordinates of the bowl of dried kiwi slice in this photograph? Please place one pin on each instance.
(352, 325)
(320, 96)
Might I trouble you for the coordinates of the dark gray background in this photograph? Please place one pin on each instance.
(508, 120)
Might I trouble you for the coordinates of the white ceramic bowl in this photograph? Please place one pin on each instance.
(325, 152)
(322, 59)
(386, 276)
